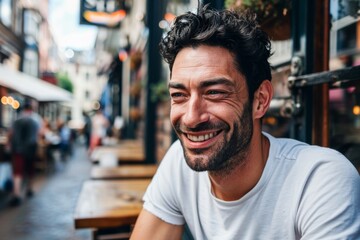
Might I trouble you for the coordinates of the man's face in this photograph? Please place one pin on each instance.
(210, 111)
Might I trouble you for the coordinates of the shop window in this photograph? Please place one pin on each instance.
(344, 102)
(31, 62)
(31, 24)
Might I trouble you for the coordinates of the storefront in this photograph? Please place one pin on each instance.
(326, 90)
(15, 86)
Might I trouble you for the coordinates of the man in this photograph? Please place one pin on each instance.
(225, 178)
(24, 136)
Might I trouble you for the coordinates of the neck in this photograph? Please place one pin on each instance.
(235, 184)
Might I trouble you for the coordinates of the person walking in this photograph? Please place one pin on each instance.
(225, 178)
(24, 136)
(99, 126)
(87, 128)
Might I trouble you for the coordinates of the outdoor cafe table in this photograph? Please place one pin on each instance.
(123, 172)
(123, 153)
(106, 204)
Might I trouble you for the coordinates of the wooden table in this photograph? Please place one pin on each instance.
(124, 153)
(123, 172)
(106, 204)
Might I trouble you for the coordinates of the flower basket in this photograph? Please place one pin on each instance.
(135, 113)
(135, 60)
(278, 28)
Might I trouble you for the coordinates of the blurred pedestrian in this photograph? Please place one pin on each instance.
(51, 140)
(24, 136)
(99, 126)
(87, 129)
(65, 139)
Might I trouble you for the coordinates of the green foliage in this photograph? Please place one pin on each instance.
(159, 92)
(64, 81)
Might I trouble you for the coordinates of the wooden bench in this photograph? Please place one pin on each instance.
(123, 172)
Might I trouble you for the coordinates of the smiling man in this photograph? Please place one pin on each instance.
(225, 178)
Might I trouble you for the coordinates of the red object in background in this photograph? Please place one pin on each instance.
(49, 77)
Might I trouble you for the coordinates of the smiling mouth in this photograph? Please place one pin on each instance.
(201, 138)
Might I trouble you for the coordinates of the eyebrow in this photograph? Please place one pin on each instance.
(207, 83)
(176, 85)
(218, 81)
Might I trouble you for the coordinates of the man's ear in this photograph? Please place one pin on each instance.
(262, 98)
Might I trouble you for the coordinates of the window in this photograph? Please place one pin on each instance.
(31, 24)
(6, 12)
(31, 62)
(87, 94)
(87, 76)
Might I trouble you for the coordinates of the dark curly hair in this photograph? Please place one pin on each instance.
(237, 32)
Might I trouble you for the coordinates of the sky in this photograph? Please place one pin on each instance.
(64, 24)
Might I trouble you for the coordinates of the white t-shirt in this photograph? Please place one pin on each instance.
(305, 192)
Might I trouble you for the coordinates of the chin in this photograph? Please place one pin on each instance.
(198, 163)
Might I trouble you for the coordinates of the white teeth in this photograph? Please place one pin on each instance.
(200, 138)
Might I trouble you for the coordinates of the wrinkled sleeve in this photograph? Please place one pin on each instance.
(330, 205)
(161, 197)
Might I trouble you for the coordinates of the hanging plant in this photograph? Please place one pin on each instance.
(160, 92)
(135, 60)
(135, 113)
(272, 15)
(135, 89)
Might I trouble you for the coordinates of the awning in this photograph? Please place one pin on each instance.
(31, 86)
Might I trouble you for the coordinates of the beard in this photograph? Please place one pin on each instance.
(227, 153)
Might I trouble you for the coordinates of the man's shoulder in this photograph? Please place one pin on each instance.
(293, 149)
(286, 148)
(308, 158)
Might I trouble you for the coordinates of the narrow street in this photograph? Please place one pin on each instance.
(48, 215)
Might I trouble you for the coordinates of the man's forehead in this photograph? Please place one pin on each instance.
(206, 65)
(204, 83)
(203, 60)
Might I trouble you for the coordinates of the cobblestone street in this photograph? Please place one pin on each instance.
(48, 215)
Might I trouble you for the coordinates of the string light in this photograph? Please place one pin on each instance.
(4, 100)
(356, 110)
(15, 104)
(8, 100)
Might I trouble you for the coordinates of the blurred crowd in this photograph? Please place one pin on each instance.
(32, 140)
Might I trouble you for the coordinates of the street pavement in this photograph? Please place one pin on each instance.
(48, 215)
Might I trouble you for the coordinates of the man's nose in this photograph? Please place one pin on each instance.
(196, 112)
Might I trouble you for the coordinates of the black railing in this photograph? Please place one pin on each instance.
(337, 78)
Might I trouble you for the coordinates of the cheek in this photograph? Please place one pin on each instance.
(175, 114)
(226, 112)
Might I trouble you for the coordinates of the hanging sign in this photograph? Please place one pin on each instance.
(104, 13)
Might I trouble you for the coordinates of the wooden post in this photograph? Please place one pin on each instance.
(320, 126)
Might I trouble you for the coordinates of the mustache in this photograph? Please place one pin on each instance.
(200, 127)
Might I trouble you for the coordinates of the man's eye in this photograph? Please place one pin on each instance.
(216, 94)
(213, 92)
(177, 96)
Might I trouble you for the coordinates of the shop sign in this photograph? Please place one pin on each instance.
(104, 13)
